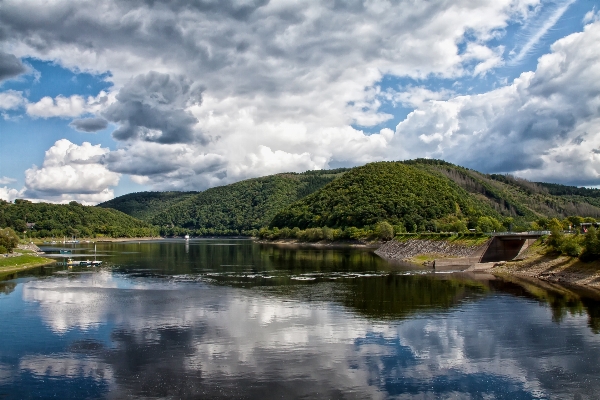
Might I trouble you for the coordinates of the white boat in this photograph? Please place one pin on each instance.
(187, 237)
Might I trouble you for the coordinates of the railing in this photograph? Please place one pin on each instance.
(529, 233)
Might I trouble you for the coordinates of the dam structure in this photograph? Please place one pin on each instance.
(504, 246)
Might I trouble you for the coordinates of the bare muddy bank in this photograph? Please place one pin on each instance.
(552, 268)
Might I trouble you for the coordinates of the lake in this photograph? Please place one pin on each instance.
(237, 319)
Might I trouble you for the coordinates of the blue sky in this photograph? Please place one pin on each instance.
(244, 89)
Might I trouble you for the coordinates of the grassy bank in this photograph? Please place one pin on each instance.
(22, 262)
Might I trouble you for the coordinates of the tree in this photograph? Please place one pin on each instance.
(555, 225)
(575, 221)
(8, 239)
(384, 230)
(591, 245)
(488, 224)
(508, 223)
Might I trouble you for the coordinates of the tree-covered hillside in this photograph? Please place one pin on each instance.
(515, 197)
(234, 209)
(398, 193)
(413, 195)
(74, 219)
(144, 205)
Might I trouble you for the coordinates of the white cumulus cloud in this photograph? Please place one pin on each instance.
(11, 99)
(282, 83)
(72, 172)
(544, 126)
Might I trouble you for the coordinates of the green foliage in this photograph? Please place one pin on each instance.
(488, 224)
(74, 219)
(144, 205)
(413, 196)
(384, 230)
(569, 245)
(451, 223)
(591, 245)
(518, 198)
(554, 225)
(387, 191)
(235, 209)
(8, 240)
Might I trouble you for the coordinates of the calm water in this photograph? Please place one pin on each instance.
(234, 319)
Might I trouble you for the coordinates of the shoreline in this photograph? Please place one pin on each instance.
(323, 243)
(535, 262)
(549, 268)
(94, 240)
(24, 264)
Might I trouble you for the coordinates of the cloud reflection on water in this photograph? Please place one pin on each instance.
(193, 340)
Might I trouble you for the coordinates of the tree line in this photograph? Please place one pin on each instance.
(44, 220)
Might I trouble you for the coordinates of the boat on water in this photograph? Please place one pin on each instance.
(83, 263)
(187, 237)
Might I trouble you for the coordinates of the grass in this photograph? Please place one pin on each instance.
(19, 263)
(426, 258)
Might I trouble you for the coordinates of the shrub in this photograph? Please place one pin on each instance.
(570, 246)
(591, 245)
(312, 234)
(328, 233)
(384, 230)
(555, 239)
(3, 250)
(8, 239)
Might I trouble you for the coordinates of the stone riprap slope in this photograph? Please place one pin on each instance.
(394, 250)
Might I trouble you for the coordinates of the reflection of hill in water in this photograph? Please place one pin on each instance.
(398, 296)
(331, 274)
(379, 296)
(178, 257)
(562, 300)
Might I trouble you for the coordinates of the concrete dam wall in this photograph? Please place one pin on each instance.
(459, 257)
(401, 251)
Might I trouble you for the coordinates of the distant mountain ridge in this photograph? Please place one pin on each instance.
(420, 194)
(233, 209)
(73, 219)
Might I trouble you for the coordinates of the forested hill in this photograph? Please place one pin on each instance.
(74, 219)
(144, 205)
(234, 209)
(432, 195)
(401, 194)
(515, 197)
(421, 195)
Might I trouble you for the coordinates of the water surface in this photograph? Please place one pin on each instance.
(235, 319)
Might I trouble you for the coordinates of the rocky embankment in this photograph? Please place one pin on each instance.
(29, 246)
(405, 251)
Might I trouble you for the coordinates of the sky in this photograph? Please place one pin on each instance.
(100, 99)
